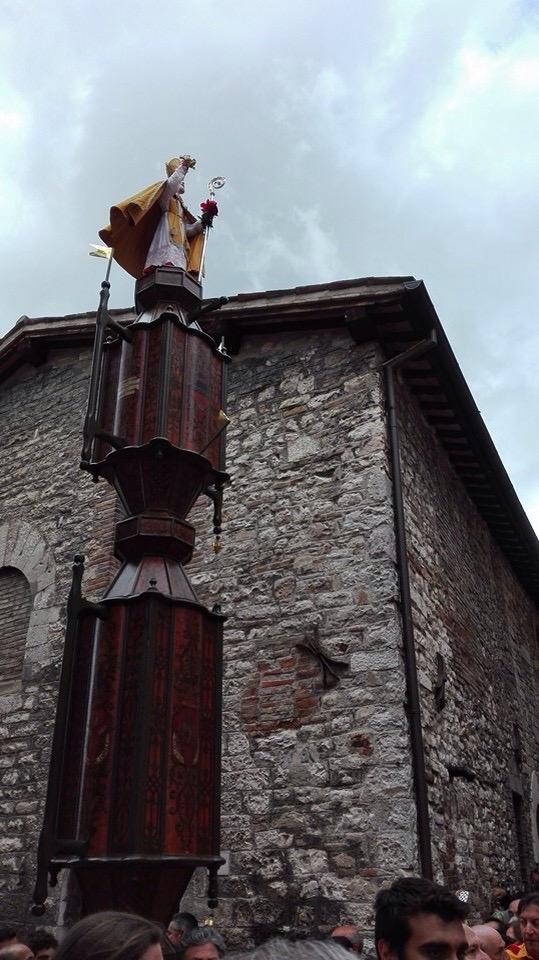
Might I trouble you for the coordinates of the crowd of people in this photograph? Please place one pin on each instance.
(415, 919)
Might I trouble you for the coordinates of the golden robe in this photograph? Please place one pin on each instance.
(133, 223)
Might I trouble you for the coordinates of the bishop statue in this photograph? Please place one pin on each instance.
(154, 228)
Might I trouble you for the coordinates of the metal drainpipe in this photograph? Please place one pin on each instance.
(410, 663)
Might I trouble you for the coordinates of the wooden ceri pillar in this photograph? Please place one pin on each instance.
(134, 787)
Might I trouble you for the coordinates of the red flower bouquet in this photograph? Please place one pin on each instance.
(209, 211)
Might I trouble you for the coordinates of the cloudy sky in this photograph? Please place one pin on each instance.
(359, 138)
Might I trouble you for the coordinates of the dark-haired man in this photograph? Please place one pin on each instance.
(416, 919)
(8, 935)
(43, 945)
(204, 943)
(528, 918)
(179, 927)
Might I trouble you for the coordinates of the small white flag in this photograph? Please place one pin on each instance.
(98, 251)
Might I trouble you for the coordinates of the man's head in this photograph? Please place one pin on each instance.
(349, 937)
(499, 898)
(8, 935)
(111, 934)
(280, 949)
(528, 916)
(492, 942)
(416, 919)
(203, 943)
(43, 945)
(16, 951)
(474, 950)
(181, 925)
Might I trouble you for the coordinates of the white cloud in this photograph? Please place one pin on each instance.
(524, 74)
(379, 137)
(11, 120)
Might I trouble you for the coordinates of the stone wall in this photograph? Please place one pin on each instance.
(318, 808)
(317, 798)
(469, 607)
(49, 510)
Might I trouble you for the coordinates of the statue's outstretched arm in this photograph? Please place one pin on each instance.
(172, 185)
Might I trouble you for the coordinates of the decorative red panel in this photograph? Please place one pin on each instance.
(150, 761)
(178, 347)
(98, 782)
(131, 388)
(167, 382)
(152, 381)
(111, 365)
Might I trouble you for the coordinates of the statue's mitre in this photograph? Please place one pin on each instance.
(171, 165)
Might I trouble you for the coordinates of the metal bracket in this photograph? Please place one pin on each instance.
(213, 885)
(330, 667)
(117, 442)
(208, 307)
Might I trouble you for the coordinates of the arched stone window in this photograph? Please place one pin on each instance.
(15, 610)
(28, 609)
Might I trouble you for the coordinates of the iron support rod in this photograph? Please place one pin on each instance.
(95, 374)
(76, 605)
(410, 661)
(103, 322)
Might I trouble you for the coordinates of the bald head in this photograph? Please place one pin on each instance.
(474, 950)
(347, 931)
(16, 951)
(8, 935)
(491, 941)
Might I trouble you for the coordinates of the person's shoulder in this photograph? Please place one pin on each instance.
(516, 951)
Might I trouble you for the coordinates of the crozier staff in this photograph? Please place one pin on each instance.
(154, 228)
